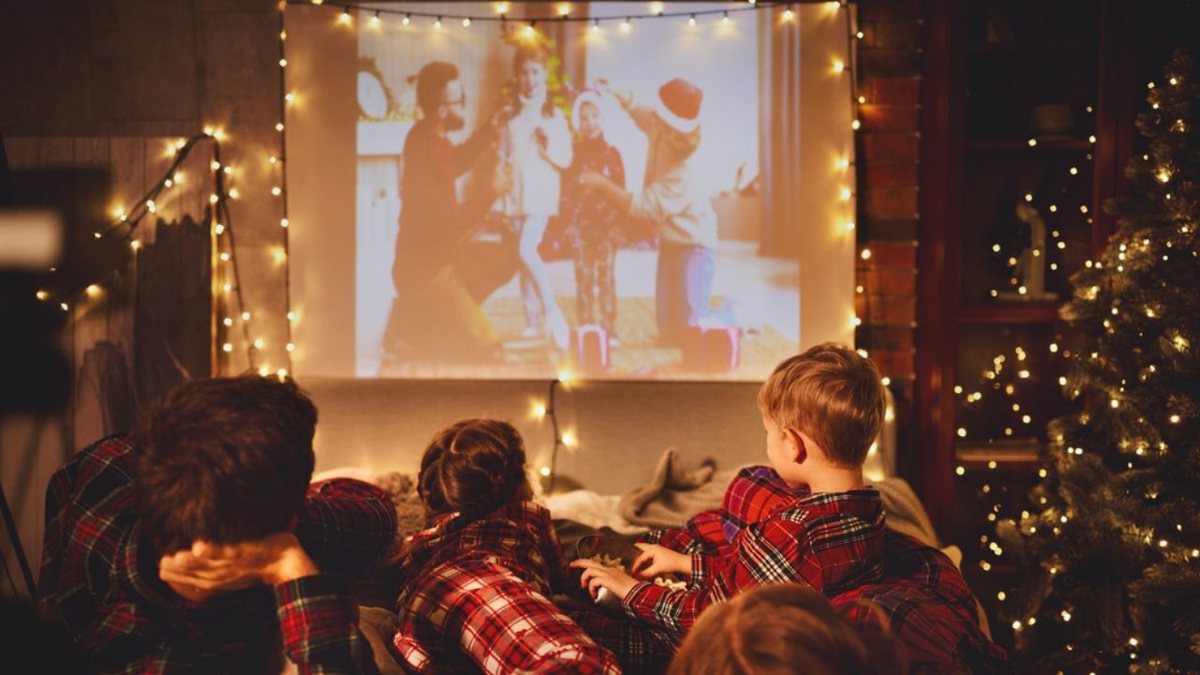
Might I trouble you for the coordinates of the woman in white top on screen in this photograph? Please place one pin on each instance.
(534, 149)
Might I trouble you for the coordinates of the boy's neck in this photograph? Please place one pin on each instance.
(836, 480)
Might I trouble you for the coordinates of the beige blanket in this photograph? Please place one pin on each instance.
(676, 493)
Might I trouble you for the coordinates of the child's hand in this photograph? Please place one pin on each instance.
(656, 560)
(542, 139)
(596, 576)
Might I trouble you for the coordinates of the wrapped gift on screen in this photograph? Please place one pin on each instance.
(589, 344)
(712, 347)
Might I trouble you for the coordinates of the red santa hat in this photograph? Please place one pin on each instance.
(679, 105)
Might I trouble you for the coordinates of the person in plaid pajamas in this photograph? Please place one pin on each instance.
(475, 587)
(784, 628)
(821, 409)
(198, 545)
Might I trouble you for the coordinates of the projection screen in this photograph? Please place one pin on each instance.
(661, 198)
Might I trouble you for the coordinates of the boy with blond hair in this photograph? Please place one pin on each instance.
(821, 410)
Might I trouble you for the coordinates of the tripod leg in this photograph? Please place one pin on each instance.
(11, 527)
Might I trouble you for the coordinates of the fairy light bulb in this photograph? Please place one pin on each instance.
(626, 25)
(466, 22)
(375, 20)
(692, 20)
(725, 18)
(437, 23)
(406, 20)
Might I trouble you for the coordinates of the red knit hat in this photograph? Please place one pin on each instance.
(680, 104)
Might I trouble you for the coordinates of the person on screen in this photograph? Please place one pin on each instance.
(684, 218)
(440, 273)
(534, 149)
(594, 223)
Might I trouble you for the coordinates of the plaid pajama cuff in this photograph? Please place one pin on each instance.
(701, 568)
(318, 621)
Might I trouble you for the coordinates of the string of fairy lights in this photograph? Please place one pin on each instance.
(352, 16)
(124, 229)
(1142, 251)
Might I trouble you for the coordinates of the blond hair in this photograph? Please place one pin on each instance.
(780, 629)
(833, 395)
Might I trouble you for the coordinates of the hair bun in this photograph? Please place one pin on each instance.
(473, 467)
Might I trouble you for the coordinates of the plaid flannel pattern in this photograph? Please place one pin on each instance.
(474, 598)
(96, 585)
(830, 541)
(925, 602)
(927, 606)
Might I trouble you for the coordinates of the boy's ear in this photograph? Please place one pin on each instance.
(796, 444)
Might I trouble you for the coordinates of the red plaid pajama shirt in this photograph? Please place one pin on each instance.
(763, 533)
(925, 602)
(98, 583)
(475, 598)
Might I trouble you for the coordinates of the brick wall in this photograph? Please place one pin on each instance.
(889, 87)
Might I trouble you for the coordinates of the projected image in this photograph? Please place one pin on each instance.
(530, 200)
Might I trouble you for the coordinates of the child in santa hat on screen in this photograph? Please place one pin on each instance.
(684, 218)
(595, 223)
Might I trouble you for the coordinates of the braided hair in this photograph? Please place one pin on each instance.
(473, 467)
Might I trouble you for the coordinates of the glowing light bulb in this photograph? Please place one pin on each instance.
(407, 19)
(466, 22)
(692, 20)
(725, 18)
(626, 25)
(437, 23)
(544, 471)
(345, 18)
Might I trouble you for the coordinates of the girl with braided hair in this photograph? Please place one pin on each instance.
(475, 587)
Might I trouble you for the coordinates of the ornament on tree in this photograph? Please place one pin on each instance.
(1112, 550)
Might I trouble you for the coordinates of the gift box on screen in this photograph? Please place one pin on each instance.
(712, 348)
(589, 344)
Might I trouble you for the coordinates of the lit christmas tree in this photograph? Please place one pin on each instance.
(1113, 556)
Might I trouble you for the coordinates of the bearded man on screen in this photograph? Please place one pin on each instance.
(440, 274)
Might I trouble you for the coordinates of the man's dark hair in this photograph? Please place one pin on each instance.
(225, 460)
(431, 85)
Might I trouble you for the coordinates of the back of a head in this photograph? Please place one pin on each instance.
(473, 467)
(782, 629)
(224, 460)
(431, 84)
(831, 393)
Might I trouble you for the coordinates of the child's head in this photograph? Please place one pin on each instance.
(474, 467)
(530, 65)
(585, 114)
(829, 395)
(782, 629)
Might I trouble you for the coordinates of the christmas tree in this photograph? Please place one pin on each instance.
(1112, 553)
